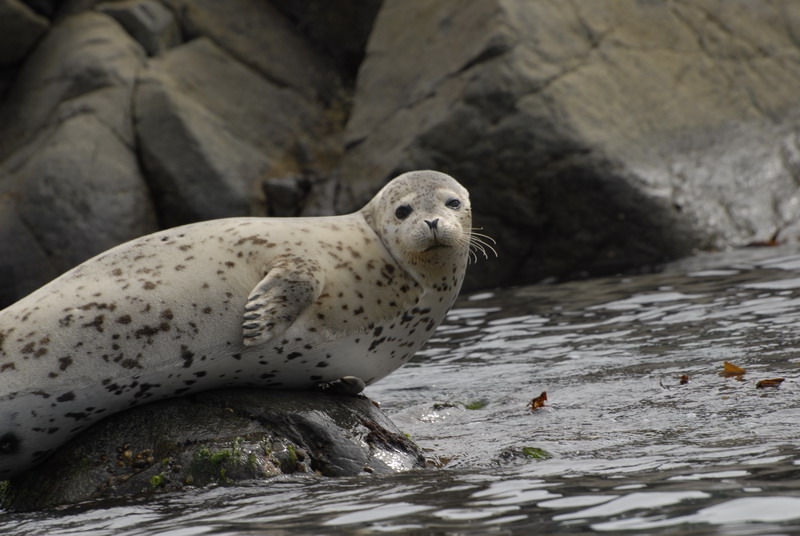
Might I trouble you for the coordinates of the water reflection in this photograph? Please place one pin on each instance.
(623, 444)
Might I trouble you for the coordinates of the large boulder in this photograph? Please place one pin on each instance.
(217, 437)
(211, 130)
(68, 166)
(595, 136)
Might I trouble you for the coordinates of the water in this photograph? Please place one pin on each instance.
(621, 446)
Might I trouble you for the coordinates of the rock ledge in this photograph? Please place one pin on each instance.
(217, 437)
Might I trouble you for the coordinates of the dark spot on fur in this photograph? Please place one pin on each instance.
(124, 319)
(146, 331)
(130, 364)
(143, 388)
(254, 239)
(97, 323)
(66, 397)
(187, 356)
(376, 343)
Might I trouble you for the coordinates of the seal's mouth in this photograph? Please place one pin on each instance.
(437, 246)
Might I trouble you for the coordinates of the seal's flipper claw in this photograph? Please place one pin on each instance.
(279, 299)
(346, 385)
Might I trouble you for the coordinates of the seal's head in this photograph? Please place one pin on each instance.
(424, 219)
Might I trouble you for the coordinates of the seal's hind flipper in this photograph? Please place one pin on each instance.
(289, 287)
(346, 385)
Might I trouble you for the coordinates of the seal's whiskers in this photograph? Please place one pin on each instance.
(481, 242)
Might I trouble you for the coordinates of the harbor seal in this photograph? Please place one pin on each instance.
(282, 303)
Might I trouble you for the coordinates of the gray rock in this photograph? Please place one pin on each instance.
(24, 263)
(20, 28)
(220, 437)
(198, 168)
(256, 34)
(210, 130)
(87, 64)
(147, 21)
(596, 137)
(75, 210)
(67, 158)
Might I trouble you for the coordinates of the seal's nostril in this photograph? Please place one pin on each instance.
(432, 224)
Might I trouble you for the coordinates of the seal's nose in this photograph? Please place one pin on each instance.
(432, 224)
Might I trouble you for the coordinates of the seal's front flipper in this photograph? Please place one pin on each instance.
(346, 385)
(290, 286)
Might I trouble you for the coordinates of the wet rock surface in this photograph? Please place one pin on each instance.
(223, 437)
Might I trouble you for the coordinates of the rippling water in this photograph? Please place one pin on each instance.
(621, 445)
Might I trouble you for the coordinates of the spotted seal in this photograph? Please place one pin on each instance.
(283, 303)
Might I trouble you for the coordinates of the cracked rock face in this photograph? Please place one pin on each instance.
(596, 137)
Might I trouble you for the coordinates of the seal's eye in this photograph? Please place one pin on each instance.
(403, 211)
(454, 204)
